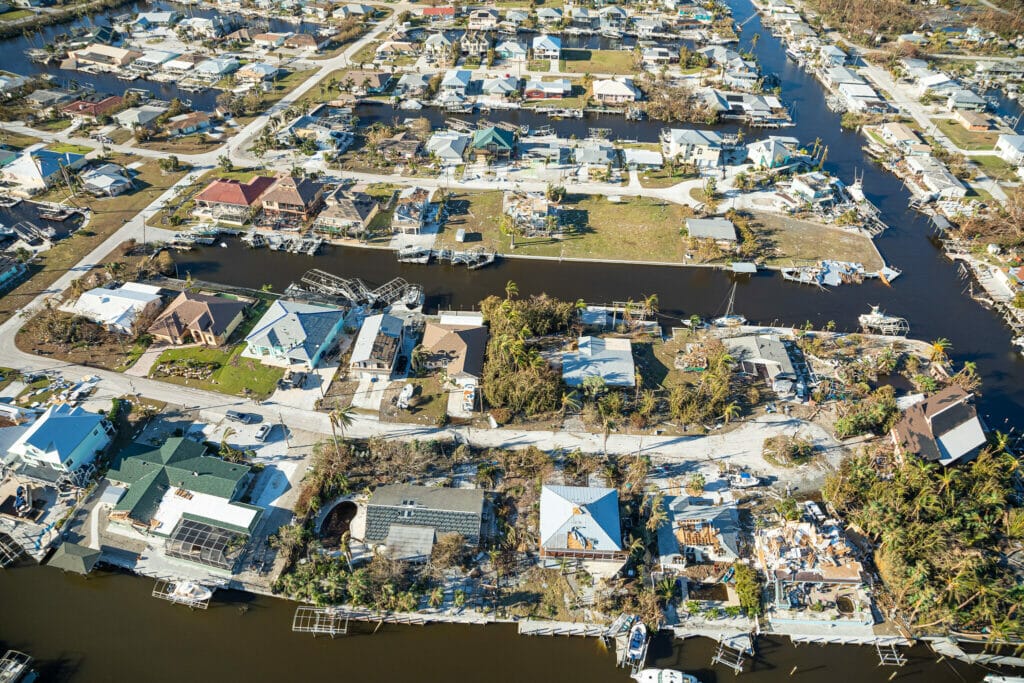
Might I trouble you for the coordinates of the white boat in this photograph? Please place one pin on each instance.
(880, 322)
(743, 480)
(637, 641)
(190, 591)
(730, 319)
(664, 676)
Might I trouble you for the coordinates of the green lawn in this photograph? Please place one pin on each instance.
(16, 14)
(236, 375)
(966, 139)
(597, 62)
(53, 125)
(564, 103)
(663, 177)
(68, 148)
(995, 167)
(16, 140)
(636, 229)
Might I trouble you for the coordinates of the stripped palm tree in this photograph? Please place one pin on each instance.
(341, 419)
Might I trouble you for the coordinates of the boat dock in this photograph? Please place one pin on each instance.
(475, 258)
(168, 590)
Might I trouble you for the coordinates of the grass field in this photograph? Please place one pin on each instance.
(236, 375)
(795, 242)
(966, 139)
(597, 62)
(995, 168)
(15, 14)
(68, 148)
(108, 215)
(637, 229)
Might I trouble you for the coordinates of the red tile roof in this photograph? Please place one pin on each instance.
(448, 11)
(234, 192)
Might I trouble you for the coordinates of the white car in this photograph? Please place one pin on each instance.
(264, 431)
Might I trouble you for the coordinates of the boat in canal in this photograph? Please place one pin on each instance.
(730, 319)
(637, 641)
(189, 592)
(664, 676)
(16, 667)
(879, 322)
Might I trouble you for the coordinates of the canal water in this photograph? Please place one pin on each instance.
(107, 627)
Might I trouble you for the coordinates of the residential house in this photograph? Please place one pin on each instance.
(144, 116)
(151, 61)
(147, 20)
(347, 214)
(231, 201)
(437, 46)
(773, 152)
(935, 177)
(269, 41)
(376, 349)
(861, 97)
(972, 120)
(292, 198)
(936, 84)
(62, 440)
(595, 155)
(307, 42)
(549, 15)
(816, 188)
(475, 44)
(257, 72)
(618, 90)
(198, 319)
(547, 47)
(369, 82)
(106, 180)
(103, 56)
(830, 55)
(117, 309)
(702, 148)
(529, 211)
(649, 27)
(966, 99)
(643, 159)
(580, 522)
(494, 142)
(455, 82)
(11, 271)
(46, 100)
(511, 51)
(448, 147)
(500, 88)
(39, 169)
(715, 228)
(838, 75)
(766, 357)
(483, 19)
(613, 18)
(610, 359)
(943, 428)
(903, 138)
(179, 492)
(412, 84)
(457, 351)
(212, 70)
(1010, 149)
(442, 13)
(12, 85)
(413, 210)
(583, 18)
(184, 63)
(698, 530)
(539, 89)
(653, 57)
(407, 520)
(186, 124)
(401, 146)
(393, 49)
(93, 107)
(293, 333)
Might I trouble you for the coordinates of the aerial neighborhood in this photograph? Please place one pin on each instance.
(638, 321)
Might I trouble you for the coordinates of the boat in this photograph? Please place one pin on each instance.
(637, 641)
(189, 591)
(743, 480)
(1019, 343)
(730, 319)
(879, 322)
(664, 676)
(58, 215)
(15, 667)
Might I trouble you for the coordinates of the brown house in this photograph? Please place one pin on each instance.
(199, 318)
(296, 198)
(943, 428)
(456, 349)
(94, 106)
(231, 201)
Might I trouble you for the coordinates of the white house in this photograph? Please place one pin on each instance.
(703, 148)
(547, 47)
(619, 90)
(378, 346)
(118, 309)
(63, 439)
(1011, 149)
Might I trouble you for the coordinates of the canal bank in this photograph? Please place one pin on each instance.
(108, 627)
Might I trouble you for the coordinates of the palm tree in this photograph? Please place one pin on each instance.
(940, 350)
(418, 358)
(651, 304)
(730, 411)
(345, 545)
(511, 290)
(341, 418)
(570, 401)
(436, 597)
(608, 426)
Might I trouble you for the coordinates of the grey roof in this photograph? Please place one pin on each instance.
(589, 515)
(410, 543)
(697, 138)
(366, 346)
(763, 349)
(444, 510)
(299, 328)
(72, 557)
(610, 359)
(714, 228)
(702, 511)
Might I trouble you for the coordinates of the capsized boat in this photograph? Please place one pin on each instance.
(664, 676)
(637, 640)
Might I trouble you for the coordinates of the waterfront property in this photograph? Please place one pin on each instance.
(11, 270)
(292, 199)
(456, 350)
(943, 428)
(347, 214)
(119, 308)
(698, 147)
(376, 349)
(177, 491)
(610, 359)
(231, 201)
(107, 180)
(293, 333)
(716, 228)
(37, 170)
(407, 520)
(580, 522)
(199, 319)
(61, 441)
(766, 357)
(698, 530)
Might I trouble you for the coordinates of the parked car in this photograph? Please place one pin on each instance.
(264, 432)
(244, 418)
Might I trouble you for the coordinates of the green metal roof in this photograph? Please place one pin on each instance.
(493, 136)
(178, 463)
(72, 557)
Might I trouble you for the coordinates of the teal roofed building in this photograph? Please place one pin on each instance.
(495, 142)
(293, 333)
(64, 439)
(178, 491)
